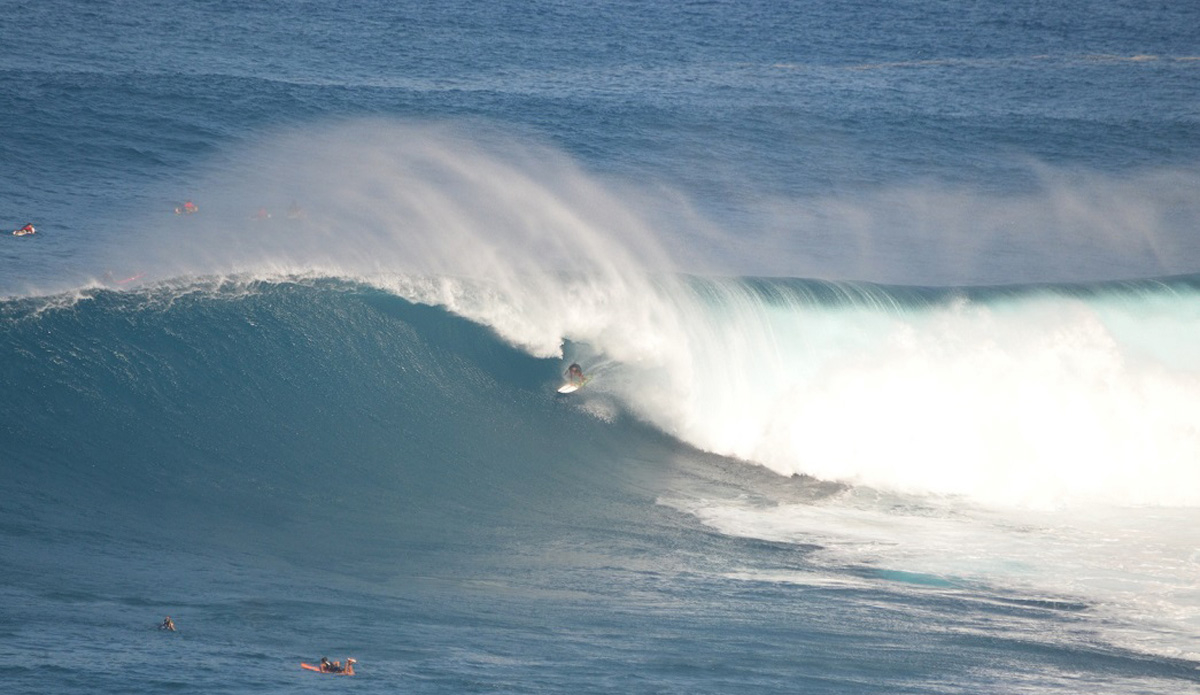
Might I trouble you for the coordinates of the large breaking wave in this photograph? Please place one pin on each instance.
(330, 413)
(1035, 396)
(313, 373)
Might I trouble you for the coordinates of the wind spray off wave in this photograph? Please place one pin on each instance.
(1030, 397)
(507, 232)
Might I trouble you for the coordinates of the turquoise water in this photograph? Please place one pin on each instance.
(888, 307)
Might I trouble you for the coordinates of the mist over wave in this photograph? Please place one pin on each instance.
(1042, 396)
(473, 199)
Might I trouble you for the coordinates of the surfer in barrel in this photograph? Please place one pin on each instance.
(575, 373)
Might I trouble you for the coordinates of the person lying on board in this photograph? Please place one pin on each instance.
(23, 231)
(336, 666)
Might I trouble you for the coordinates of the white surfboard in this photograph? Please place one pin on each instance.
(573, 386)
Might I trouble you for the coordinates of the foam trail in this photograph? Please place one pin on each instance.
(1134, 569)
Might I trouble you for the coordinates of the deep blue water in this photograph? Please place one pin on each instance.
(890, 310)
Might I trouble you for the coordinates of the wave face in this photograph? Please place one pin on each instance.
(312, 410)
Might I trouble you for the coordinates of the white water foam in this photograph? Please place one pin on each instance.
(1130, 571)
(1040, 402)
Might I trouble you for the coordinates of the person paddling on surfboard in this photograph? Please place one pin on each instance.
(336, 666)
(26, 230)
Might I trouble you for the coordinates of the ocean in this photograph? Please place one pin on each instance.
(889, 311)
